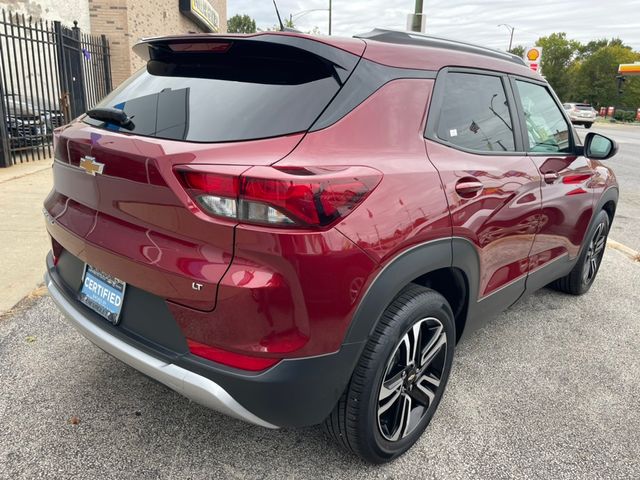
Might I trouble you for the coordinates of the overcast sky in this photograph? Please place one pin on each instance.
(473, 21)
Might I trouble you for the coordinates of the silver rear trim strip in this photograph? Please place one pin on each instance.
(196, 387)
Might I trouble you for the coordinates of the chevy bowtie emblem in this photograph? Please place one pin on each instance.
(90, 165)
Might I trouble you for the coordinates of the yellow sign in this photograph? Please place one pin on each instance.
(202, 13)
(629, 69)
(533, 54)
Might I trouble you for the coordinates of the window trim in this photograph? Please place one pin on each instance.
(575, 145)
(435, 111)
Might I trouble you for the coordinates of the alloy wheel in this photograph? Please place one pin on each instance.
(412, 379)
(594, 254)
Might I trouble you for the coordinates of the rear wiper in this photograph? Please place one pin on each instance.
(112, 115)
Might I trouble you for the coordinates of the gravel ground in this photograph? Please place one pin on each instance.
(550, 389)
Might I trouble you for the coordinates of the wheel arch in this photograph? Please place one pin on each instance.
(449, 266)
(610, 206)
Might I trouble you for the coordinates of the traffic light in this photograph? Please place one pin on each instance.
(621, 79)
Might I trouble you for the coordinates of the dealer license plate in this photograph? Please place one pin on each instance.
(102, 293)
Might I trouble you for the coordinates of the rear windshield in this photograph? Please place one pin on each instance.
(583, 106)
(247, 92)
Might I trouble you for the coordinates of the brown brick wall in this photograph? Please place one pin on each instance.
(109, 17)
(124, 22)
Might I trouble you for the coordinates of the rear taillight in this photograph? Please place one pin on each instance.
(291, 197)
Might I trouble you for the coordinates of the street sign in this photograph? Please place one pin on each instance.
(629, 69)
(533, 57)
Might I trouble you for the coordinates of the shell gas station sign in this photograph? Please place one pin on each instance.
(629, 69)
(533, 57)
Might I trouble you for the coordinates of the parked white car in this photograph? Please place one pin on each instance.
(581, 114)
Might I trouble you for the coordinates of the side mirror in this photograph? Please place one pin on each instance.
(599, 147)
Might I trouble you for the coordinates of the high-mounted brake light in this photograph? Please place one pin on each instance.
(200, 47)
(290, 197)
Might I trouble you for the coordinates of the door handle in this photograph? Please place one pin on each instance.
(550, 177)
(468, 187)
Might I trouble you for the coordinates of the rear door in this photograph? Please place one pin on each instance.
(567, 193)
(493, 188)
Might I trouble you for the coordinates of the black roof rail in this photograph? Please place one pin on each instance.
(419, 39)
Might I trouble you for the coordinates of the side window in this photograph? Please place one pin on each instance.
(475, 114)
(547, 129)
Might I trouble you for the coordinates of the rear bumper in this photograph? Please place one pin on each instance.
(196, 387)
(293, 393)
(582, 119)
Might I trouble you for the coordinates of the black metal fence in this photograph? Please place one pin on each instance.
(50, 74)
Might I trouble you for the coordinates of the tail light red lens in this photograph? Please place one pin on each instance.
(292, 197)
(224, 185)
(231, 359)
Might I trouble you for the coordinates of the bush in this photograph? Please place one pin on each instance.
(625, 115)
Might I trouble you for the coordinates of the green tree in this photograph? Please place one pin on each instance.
(588, 49)
(595, 77)
(518, 50)
(241, 24)
(558, 53)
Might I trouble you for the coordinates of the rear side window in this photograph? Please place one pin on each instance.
(547, 130)
(475, 113)
(247, 92)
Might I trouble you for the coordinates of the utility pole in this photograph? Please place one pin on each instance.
(417, 18)
(512, 29)
(330, 14)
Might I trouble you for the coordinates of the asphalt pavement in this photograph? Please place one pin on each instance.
(549, 389)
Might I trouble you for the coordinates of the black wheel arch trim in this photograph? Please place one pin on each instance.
(458, 253)
(610, 195)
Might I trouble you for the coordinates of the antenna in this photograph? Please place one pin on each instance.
(282, 29)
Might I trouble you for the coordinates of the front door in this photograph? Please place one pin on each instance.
(567, 194)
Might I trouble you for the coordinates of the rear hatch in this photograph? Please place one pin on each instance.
(231, 102)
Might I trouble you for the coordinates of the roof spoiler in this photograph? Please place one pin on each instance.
(151, 48)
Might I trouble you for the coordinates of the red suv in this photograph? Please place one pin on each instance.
(295, 230)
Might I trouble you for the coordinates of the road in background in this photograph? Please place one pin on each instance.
(626, 165)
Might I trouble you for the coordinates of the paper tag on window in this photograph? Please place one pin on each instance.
(453, 133)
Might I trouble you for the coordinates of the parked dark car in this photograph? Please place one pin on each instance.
(30, 122)
(298, 231)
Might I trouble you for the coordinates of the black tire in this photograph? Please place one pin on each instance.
(588, 125)
(580, 279)
(419, 314)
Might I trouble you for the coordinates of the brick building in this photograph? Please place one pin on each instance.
(126, 21)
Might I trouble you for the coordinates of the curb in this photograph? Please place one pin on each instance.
(629, 252)
(25, 174)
